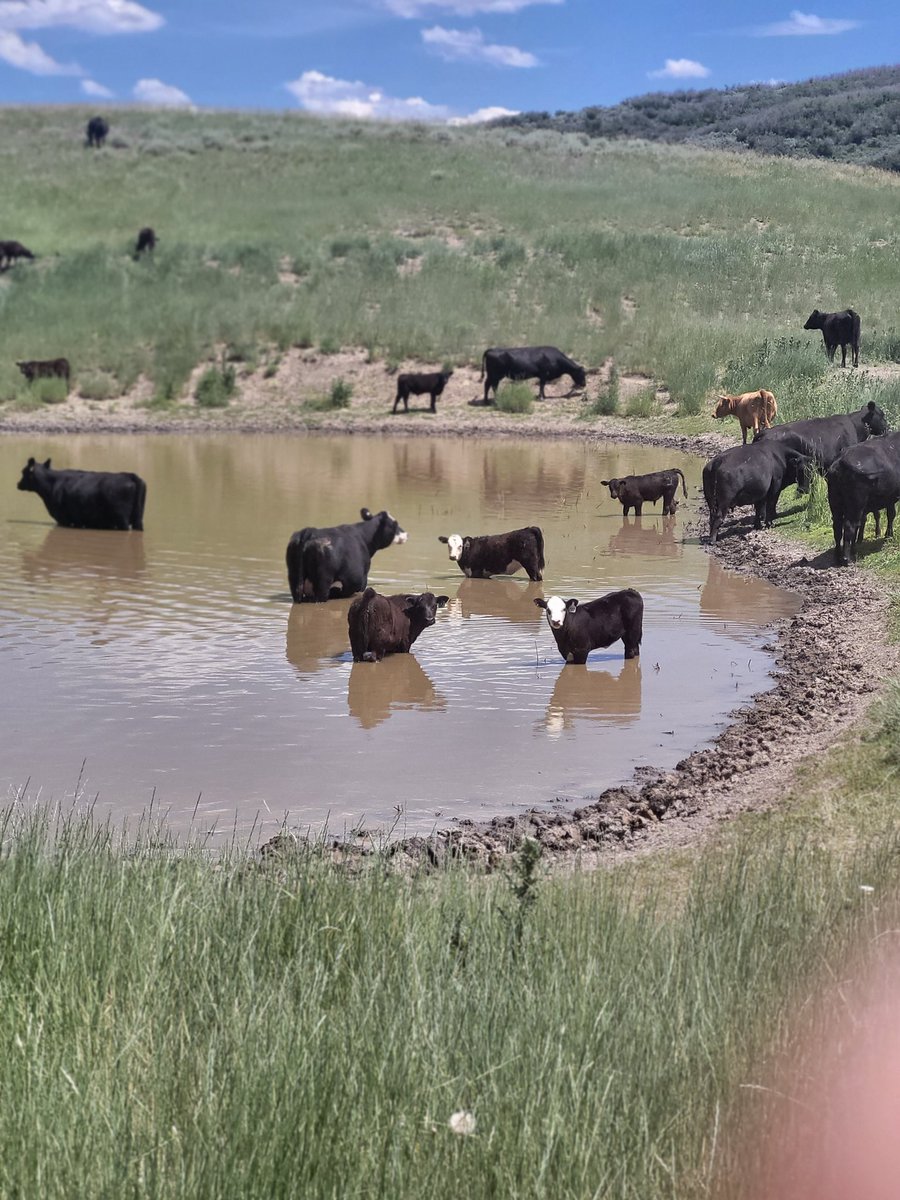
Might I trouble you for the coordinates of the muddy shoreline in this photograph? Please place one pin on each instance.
(828, 666)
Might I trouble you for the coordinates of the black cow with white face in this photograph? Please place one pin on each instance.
(544, 363)
(498, 553)
(381, 625)
(331, 562)
(756, 474)
(864, 479)
(838, 329)
(581, 628)
(87, 499)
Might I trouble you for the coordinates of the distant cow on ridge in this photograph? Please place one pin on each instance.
(97, 129)
(50, 368)
(754, 410)
(146, 240)
(838, 329)
(544, 363)
(10, 251)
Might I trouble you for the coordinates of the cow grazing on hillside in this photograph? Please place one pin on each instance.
(756, 474)
(335, 561)
(417, 385)
(754, 410)
(635, 490)
(829, 437)
(10, 251)
(381, 625)
(146, 240)
(544, 363)
(498, 553)
(581, 628)
(864, 479)
(838, 329)
(49, 368)
(96, 131)
(87, 499)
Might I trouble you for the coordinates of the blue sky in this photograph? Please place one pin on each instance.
(434, 59)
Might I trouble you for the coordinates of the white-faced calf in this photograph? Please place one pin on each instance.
(581, 628)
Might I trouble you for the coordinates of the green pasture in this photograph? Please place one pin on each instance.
(696, 267)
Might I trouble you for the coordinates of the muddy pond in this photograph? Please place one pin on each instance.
(172, 666)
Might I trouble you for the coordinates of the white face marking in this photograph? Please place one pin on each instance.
(454, 546)
(401, 538)
(556, 612)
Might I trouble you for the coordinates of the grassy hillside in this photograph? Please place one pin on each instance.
(277, 230)
(853, 117)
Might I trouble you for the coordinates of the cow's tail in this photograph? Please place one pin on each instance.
(483, 358)
(136, 520)
(683, 484)
(539, 538)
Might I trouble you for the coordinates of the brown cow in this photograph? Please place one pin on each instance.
(381, 625)
(754, 410)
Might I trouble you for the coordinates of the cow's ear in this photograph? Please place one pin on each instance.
(365, 514)
(441, 601)
(604, 483)
(571, 605)
(47, 463)
(441, 538)
(467, 543)
(540, 602)
(30, 462)
(871, 406)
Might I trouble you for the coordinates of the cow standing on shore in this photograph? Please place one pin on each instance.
(10, 252)
(46, 368)
(754, 410)
(838, 329)
(544, 363)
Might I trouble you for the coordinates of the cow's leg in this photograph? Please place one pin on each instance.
(877, 515)
(433, 402)
(891, 513)
(843, 354)
(637, 508)
(396, 402)
(715, 520)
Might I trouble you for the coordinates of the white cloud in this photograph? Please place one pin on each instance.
(90, 87)
(460, 8)
(680, 68)
(460, 45)
(484, 114)
(90, 16)
(161, 95)
(806, 25)
(28, 56)
(327, 96)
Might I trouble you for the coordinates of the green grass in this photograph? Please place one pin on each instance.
(523, 237)
(216, 386)
(170, 1029)
(515, 398)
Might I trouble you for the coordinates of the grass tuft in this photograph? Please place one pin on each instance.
(515, 398)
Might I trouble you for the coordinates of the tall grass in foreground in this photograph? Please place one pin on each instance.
(171, 1027)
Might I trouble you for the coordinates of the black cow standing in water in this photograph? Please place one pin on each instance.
(838, 329)
(327, 563)
(95, 134)
(580, 628)
(87, 499)
(544, 363)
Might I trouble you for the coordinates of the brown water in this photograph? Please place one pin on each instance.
(173, 665)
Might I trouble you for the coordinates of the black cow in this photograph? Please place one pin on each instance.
(146, 240)
(331, 562)
(581, 628)
(87, 499)
(829, 437)
(49, 368)
(416, 385)
(10, 251)
(864, 479)
(381, 625)
(97, 129)
(498, 553)
(756, 474)
(838, 329)
(634, 490)
(544, 363)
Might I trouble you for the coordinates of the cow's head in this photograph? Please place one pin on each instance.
(423, 608)
(388, 532)
(800, 470)
(556, 610)
(725, 407)
(613, 485)
(579, 377)
(455, 544)
(874, 420)
(27, 483)
(815, 320)
(445, 375)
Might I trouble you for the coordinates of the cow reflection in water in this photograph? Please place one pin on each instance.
(503, 598)
(742, 599)
(398, 683)
(645, 538)
(71, 554)
(317, 636)
(583, 694)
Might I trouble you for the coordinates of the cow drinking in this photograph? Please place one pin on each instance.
(544, 363)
